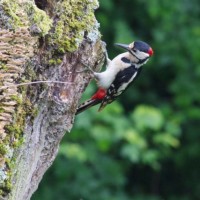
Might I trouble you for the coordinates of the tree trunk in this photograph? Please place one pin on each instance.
(41, 40)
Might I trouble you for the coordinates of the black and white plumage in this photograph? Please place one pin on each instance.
(120, 84)
(119, 74)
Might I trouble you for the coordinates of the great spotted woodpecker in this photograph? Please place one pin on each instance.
(120, 72)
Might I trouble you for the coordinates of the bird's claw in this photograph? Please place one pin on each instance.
(107, 60)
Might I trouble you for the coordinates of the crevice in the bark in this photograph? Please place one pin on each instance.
(41, 4)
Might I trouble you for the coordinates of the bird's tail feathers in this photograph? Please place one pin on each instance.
(87, 104)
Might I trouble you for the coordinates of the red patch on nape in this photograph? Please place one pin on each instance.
(100, 94)
(150, 51)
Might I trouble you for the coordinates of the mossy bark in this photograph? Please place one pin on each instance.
(41, 40)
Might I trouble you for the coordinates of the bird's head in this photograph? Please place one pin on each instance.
(139, 51)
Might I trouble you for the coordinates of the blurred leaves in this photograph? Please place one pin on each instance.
(146, 117)
(73, 151)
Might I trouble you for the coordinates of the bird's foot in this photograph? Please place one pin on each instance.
(107, 60)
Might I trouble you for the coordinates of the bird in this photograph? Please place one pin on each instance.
(119, 74)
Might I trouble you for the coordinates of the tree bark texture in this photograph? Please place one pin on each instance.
(41, 40)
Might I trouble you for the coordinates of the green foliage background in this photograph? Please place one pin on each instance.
(146, 145)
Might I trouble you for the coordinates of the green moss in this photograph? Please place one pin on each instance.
(17, 98)
(7, 186)
(35, 112)
(39, 18)
(14, 129)
(1, 110)
(74, 17)
(11, 8)
(17, 144)
(30, 72)
(3, 149)
(3, 66)
(13, 139)
(55, 61)
(31, 13)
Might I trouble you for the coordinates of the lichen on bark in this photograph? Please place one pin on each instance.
(74, 19)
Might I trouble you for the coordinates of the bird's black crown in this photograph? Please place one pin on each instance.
(141, 46)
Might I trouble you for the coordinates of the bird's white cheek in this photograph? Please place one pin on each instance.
(142, 55)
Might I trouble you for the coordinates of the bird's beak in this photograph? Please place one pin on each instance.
(124, 46)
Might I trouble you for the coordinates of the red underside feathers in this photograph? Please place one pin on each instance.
(100, 94)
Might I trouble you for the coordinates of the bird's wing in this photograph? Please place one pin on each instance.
(120, 84)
